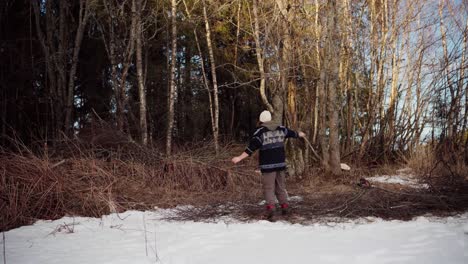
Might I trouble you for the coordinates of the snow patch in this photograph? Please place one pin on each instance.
(405, 171)
(290, 199)
(404, 177)
(296, 199)
(465, 228)
(142, 237)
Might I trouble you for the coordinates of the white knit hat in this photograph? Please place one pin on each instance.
(265, 116)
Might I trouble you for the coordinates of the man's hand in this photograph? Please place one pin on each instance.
(239, 158)
(236, 160)
(302, 134)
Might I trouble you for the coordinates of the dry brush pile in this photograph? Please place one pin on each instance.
(80, 177)
(76, 179)
(325, 197)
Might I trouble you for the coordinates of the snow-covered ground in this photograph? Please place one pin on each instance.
(143, 237)
(404, 177)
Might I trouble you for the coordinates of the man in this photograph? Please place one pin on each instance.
(269, 138)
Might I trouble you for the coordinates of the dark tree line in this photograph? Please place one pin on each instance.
(369, 80)
(36, 76)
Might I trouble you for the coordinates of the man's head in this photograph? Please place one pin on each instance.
(265, 116)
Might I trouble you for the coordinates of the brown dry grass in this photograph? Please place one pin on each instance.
(326, 196)
(76, 178)
(423, 159)
(86, 182)
(341, 202)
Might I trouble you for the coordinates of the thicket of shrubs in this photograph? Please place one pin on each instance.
(97, 176)
(79, 178)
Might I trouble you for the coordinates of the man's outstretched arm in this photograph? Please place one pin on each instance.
(254, 144)
(239, 158)
(292, 133)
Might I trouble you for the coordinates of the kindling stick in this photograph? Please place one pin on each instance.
(312, 148)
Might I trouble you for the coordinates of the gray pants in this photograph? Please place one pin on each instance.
(274, 186)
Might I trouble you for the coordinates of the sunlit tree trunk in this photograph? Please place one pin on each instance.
(215, 123)
(465, 87)
(322, 132)
(389, 133)
(288, 70)
(319, 66)
(322, 101)
(334, 37)
(378, 43)
(172, 78)
(450, 117)
(259, 56)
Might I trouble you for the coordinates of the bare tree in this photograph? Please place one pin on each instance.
(215, 120)
(334, 39)
(119, 40)
(172, 78)
(83, 18)
(139, 65)
(259, 56)
(54, 43)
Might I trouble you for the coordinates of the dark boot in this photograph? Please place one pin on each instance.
(270, 213)
(285, 209)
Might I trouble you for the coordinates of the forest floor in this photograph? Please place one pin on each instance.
(398, 196)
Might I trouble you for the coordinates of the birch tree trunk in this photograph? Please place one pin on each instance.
(172, 81)
(259, 56)
(462, 77)
(465, 87)
(319, 66)
(215, 123)
(202, 67)
(110, 39)
(446, 66)
(392, 111)
(127, 62)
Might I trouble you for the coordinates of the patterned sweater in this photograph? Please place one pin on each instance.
(269, 138)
